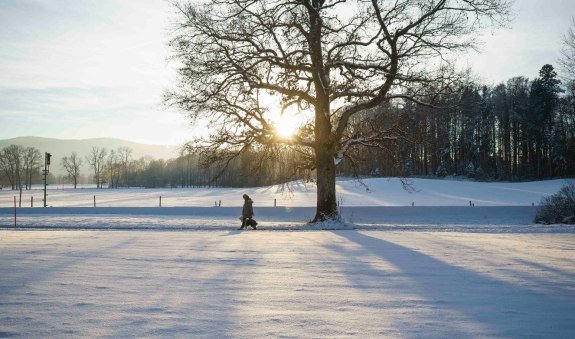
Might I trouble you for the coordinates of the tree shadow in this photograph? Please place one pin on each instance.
(497, 307)
(44, 272)
(154, 288)
(535, 274)
(186, 302)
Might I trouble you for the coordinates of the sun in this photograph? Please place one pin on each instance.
(285, 125)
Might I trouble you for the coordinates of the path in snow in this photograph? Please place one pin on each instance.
(494, 219)
(297, 284)
(491, 219)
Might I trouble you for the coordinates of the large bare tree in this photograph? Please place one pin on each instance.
(326, 61)
(72, 165)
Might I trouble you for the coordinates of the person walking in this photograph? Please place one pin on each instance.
(248, 213)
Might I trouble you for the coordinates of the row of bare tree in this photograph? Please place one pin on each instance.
(107, 166)
(19, 164)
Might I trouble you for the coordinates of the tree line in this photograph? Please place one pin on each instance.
(115, 168)
(518, 130)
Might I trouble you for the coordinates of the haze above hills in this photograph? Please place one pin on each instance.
(60, 148)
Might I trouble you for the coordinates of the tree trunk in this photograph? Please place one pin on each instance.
(325, 164)
(325, 145)
(326, 200)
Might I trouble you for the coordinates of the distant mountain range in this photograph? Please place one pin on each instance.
(60, 148)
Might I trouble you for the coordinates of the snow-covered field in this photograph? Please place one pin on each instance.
(286, 284)
(438, 205)
(437, 269)
(379, 192)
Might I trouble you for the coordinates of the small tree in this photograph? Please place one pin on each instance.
(12, 164)
(125, 155)
(32, 160)
(114, 166)
(244, 61)
(72, 165)
(96, 160)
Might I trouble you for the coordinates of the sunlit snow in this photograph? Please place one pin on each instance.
(440, 268)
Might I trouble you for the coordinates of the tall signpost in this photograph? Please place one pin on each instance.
(45, 173)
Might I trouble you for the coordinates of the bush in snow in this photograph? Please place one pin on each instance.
(441, 170)
(470, 170)
(558, 208)
(408, 169)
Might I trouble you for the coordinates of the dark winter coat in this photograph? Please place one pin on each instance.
(248, 210)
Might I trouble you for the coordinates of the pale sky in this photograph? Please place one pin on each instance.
(76, 69)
